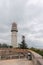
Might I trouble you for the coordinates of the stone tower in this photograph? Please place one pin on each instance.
(14, 35)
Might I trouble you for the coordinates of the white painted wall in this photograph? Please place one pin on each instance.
(14, 39)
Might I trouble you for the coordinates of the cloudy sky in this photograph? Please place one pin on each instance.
(28, 14)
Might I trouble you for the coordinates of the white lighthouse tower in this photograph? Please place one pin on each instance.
(14, 35)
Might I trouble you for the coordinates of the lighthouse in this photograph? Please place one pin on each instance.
(14, 35)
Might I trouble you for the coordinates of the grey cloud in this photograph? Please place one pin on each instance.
(28, 14)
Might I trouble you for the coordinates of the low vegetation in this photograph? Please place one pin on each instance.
(38, 51)
(4, 45)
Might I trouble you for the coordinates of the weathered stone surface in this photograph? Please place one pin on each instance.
(37, 59)
(36, 55)
(16, 62)
(40, 61)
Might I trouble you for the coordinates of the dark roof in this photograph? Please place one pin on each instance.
(14, 27)
(14, 24)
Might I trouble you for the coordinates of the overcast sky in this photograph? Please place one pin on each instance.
(28, 14)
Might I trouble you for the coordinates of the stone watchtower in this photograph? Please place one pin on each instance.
(14, 35)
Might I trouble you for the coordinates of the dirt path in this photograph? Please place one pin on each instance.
(16, 62)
